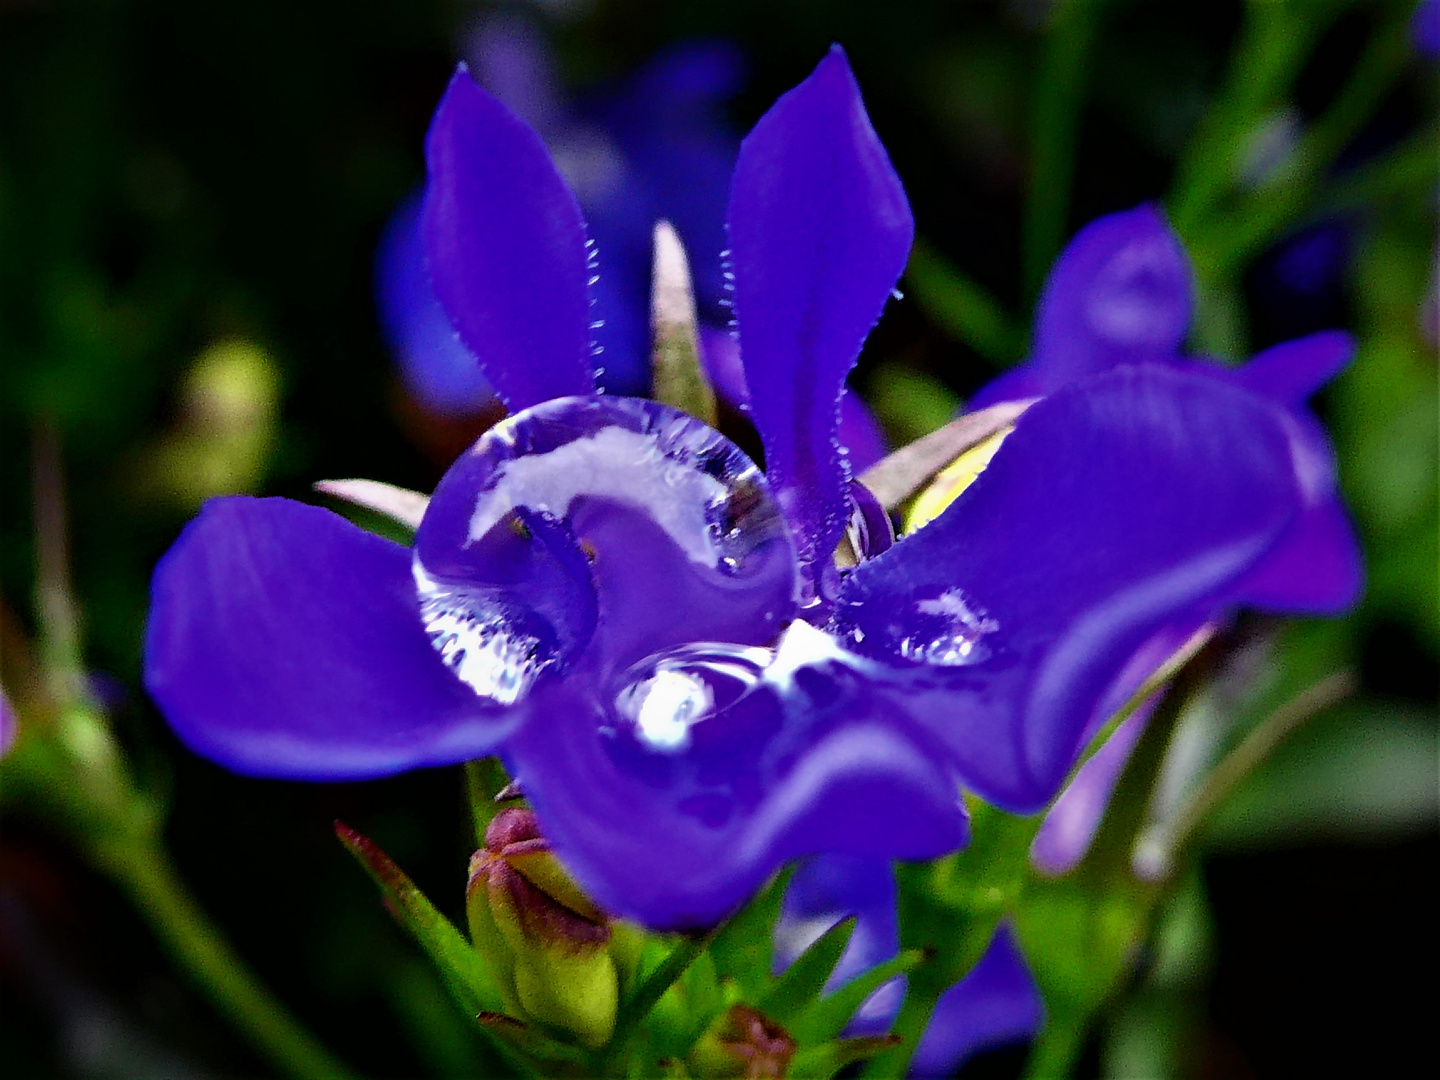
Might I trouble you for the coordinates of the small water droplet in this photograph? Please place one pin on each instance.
(665, 696)
(952, 631)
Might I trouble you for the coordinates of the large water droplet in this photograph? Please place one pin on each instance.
(611, 528)
(485, 641)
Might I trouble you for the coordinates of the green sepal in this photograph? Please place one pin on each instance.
(677, 377)
(826, 1017)
(654, 985)
(823, 1062)
(534, 1048)
(465, 973)
(744, 947)
(804, 980)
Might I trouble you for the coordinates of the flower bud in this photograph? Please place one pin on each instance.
(545, 939)
(743, 1043)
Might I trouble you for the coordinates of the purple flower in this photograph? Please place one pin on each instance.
(1120, 295)
(1425, 28)
(653, 633)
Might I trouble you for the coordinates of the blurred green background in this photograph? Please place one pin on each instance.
(190, 200)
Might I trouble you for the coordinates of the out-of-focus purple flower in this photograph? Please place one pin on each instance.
(435, 367)
(996, 1003)
(654, 634)
(9, 725)
(1425, 28)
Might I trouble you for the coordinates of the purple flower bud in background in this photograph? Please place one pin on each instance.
(9, 725)
(1425, 29)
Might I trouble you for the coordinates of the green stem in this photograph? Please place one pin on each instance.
(1275, 39)
(145, 872)
(961, 307)
(1055, 131)
(1056, 1049)
(1256, 747)
(909, 1026)
(1265, 213)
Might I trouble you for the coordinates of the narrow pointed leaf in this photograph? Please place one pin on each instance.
(744, 949)
(397, 503)
(462, 968)
(803, 981)
(676, 374)
(828, 1016)
(822, 1062)
(910, 468)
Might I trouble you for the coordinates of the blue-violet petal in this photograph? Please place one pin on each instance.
(505, 244)
(819, 232)
(286, 642)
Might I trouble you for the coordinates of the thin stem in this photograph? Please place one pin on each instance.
(1275, 39)
(1055, 1051)
(1265, 212)
(961, 307)
(197, 944)
(1055, 131)
(1256, 747)
(909, 1026)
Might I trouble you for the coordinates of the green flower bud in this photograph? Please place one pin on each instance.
(743, 1042)
(547, 942)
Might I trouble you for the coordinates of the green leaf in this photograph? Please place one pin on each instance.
(823, 1062)
(744, 947)
(676, 375)
(827, 1017)
(961, 307)
(635, 1008)
(804, 980)
(462, 968)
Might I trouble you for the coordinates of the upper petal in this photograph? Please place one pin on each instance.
(505, 242)
(1294, 370)
(1119, 508)
(1121, 292)
(819, 233)
(284, 641)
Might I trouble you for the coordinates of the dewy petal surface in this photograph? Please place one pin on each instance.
(584, 534)
(1118, 508)
(819, 232)
(284, 641)
(690, 779)
(506, 249)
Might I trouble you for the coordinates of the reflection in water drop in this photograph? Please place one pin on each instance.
(664, 696)
(487, 647)
(950, 631)
(598, 531)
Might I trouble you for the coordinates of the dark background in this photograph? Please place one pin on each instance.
(173, 175)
